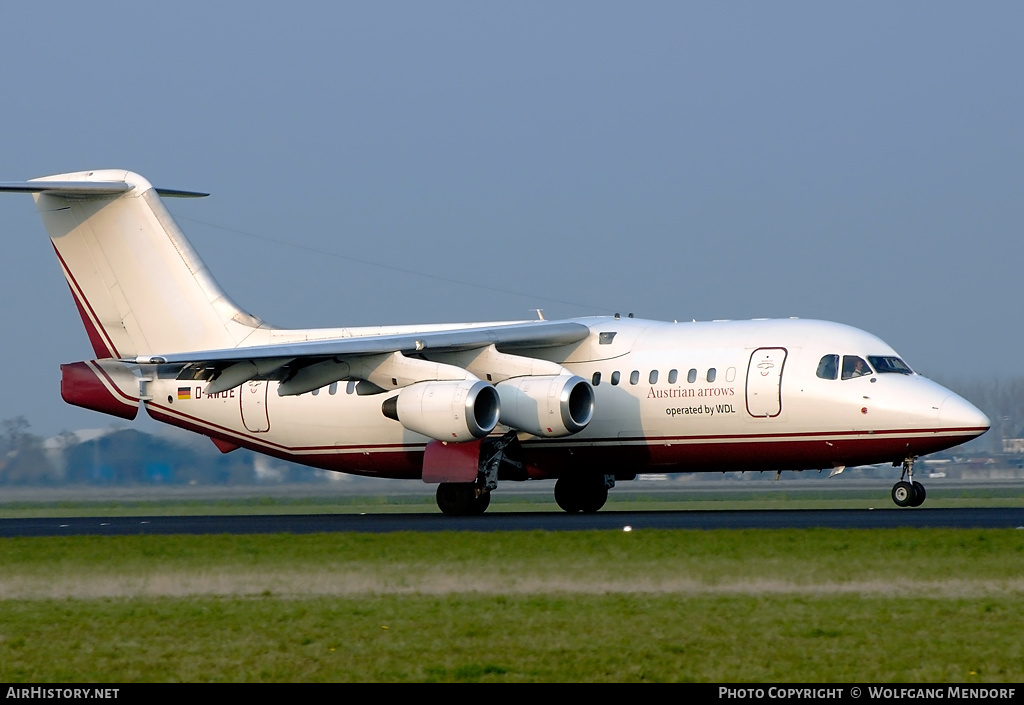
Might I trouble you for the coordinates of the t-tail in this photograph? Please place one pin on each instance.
(138, 284)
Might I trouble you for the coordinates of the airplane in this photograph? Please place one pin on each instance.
(588, 401)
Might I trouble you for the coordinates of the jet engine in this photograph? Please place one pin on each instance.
(547, 406)
(446, 410)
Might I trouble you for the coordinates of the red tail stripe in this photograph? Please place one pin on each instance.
(102, 344)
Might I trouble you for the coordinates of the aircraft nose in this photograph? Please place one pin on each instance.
(957, 412)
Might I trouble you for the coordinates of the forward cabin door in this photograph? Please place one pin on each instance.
(764, 382)
(254, 406)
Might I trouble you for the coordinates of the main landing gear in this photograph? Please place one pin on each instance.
(907, 492)
(464, 499)
(586, 494)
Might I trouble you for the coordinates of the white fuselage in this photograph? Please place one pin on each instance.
(672, 397)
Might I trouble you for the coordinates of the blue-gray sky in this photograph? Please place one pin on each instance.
(854, 162)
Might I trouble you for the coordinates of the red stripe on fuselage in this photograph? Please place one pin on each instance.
(550, 459)
(749, 454)
(396, 461)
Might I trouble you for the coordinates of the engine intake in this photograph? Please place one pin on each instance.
(548, 406)
(446, 410)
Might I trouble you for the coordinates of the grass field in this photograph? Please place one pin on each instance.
(736, 606)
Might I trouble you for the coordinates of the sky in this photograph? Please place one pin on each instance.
(411, 162)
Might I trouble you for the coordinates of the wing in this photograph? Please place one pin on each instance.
(386, 361)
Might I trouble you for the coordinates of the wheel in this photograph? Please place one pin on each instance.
(479, 504)
(459, 499)
(594, 498)
(567, 495)
(902, 494)
(919, 495)
(575, 494)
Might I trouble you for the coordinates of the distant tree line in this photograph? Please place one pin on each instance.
(125, 457)
(1003, 403)
(23, 461)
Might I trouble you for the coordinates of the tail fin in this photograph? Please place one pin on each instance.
(139, 286)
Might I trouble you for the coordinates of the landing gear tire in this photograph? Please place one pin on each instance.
(919, 494)
(594, 499)
(907, 492)
(567, 496)
(462, 499)
(576, 495)
(903, 494)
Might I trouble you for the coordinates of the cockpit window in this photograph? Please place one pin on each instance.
(828, 367)
(854, 366)
(890, 364)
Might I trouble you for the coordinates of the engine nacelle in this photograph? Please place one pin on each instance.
(547, 406)
(446, 410)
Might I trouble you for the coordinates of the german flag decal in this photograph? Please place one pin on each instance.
(184, 392)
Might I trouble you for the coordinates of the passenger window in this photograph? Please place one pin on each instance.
(333, 389)
(854, 366)
(634, 376)
(615, 378)
(828, 367)
(712, 373)
(691, 376)
(597, 379)
(350, 388)
(673, 375)
(653, 378)
(316, 392)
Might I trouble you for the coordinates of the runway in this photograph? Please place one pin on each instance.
(981, 518)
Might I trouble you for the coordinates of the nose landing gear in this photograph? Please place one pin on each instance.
(907, 492)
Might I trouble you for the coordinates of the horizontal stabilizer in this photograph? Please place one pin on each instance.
(178, 193)
(67, 188)
(87, 188)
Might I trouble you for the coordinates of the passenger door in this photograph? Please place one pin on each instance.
(254, 406)
(764, 382)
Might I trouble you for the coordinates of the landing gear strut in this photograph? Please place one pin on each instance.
(585, 494)
(461, 499)
(907, 492)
